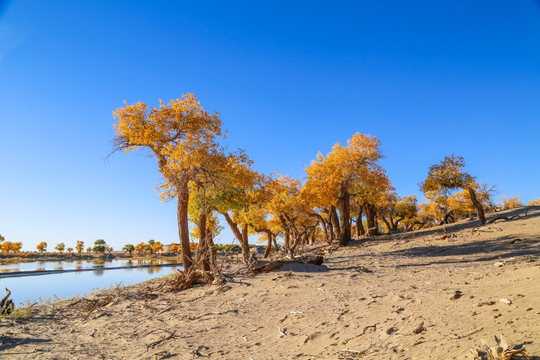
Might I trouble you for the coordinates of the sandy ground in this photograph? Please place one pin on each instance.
(413, 296)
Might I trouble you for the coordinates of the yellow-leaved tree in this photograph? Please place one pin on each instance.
(182, 136)
(288, 206)
(534, 202)
(42, 246)
(336, 175)
(449, 175)
(80, 246)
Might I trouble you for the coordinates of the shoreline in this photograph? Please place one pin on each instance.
(419, 296)
(49, 272)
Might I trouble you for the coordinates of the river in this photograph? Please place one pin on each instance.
(42, 280)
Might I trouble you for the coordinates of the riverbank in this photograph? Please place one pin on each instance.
(37, 256)
(430, 294)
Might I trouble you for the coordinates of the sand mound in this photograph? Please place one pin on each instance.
(422, 295)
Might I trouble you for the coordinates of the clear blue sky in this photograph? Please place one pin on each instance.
(289, 78)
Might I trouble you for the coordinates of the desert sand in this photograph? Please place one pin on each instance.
(430, 294)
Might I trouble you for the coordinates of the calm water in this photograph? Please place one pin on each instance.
(69, 284)
(80, 264)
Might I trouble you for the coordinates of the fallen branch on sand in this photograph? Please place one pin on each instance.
(6, 305)
(172, 335)
(500, 352)
(192, 318)
(507, 218)
(457, 337)
(273, 265)
(346, 354)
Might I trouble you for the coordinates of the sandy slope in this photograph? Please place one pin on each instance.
(368, 297)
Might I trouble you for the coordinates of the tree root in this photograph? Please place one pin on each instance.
(6, 305)
(273, 265)
(507, 218)
(500, 352)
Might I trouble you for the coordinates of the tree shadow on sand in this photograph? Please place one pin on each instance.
(497, 248)
(521, 213)
(501, 248)
(9, 343)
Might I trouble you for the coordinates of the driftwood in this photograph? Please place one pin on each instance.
(507, 218)
(500, 352)
(273, 265)
(6, 305)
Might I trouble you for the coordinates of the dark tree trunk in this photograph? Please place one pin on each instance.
(448, 218)
(203, 258)
(359, 225)
(371, 212)
(245, 245)
(276, 244)
(477, 205)
(388, 225)
(268, 245)
(212, 252)
(323, 224)
(183, 227)
(331, 231)
(270, 237)
(345, 213)
(335, 222)
(242, 238)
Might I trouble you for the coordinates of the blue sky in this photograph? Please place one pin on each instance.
(288, 78)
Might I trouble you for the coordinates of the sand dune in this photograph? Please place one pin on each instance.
(410, 296)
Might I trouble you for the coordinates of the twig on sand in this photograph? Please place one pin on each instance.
(210, 313)
(419, 329)
(374, 327)
(457, 337)
(347, 354)
(172, 335)
(282, 332)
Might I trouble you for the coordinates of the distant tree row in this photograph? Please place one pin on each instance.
(100, 246)
(347, 192)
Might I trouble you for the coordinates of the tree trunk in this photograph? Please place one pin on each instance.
(213, 253)
(276, 244)
(183, 227)
(268, 245)
(477, 205)
(335, 222)
(359, 225)
(371, 212)
(270, 237)
(239, 236)
(202, 251)
(245, 245)
(323, 224)
(345, 213)
(331, 231)
(388, 225)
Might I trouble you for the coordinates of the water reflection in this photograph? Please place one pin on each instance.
(69, 284)
(80, 264)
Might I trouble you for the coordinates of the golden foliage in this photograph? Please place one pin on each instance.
(42, 246)
(446, 176)
(157, 247)
(535, 202)
(511, 202)
(140, 247)
(80, 246)
(343, 169)
(175, 248)
(181, 134)
(8, 246)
